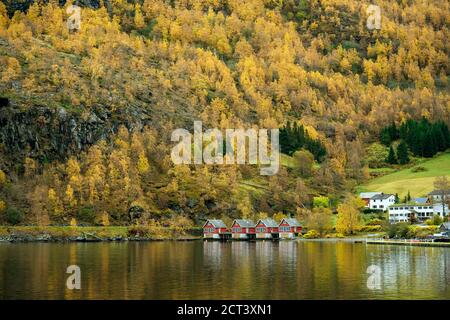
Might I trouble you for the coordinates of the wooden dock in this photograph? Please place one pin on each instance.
(410, 243)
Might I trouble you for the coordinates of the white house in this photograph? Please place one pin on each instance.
(436, 195)
(402, 212)
(441, 210)
(381, 201)
(366, 196)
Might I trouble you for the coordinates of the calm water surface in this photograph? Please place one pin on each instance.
(214, 270)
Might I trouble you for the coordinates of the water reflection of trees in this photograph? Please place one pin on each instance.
(216, 270)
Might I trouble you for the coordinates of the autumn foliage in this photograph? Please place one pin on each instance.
(231, 64)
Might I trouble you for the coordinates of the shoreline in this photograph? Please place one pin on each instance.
(410, 243)
(64, 234)
(404, 242)
(57, 234)
(44, 239)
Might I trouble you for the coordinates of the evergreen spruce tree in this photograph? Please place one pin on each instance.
(385, 137)
(393, 132)
(295, 137)
(423, 138)
(402, 153)
(391, 158)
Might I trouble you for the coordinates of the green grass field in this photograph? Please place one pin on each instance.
(418, 183)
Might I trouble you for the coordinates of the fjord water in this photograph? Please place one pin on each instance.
(217, 270)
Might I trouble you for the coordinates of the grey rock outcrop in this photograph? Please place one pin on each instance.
(49, 134)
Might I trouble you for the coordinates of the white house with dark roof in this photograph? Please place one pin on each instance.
(381, 201)
(436, 195)
(366, 196)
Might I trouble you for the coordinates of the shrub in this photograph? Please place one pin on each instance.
(412, 232)
(334, 235)
(375, 222)
(391, 230)
(435, 221)
(321, 202)
(370, 228)
(180, 224)
(418, 169)
(14, 216)
(369, 211)
(137, 231)
(403, 230)
(311, 234)
(421, 232)
(397, 230)
(86, 214)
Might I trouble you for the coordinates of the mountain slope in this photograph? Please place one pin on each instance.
(108, 96)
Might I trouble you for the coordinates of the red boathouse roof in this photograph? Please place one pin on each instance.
(245, 223)
(291, 222)
(268, 222)
(216, 223)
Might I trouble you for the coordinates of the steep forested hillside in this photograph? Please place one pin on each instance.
(85, 129)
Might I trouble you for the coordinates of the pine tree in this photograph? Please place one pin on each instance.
(402, 153)
(423, 138)
(391, 158)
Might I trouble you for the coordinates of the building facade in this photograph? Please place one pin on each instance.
(421, 212)
(243, 229)
(215, 229)
(266, 229)
(437, 195)
(289, 228)
(366, 196)
(381, 201)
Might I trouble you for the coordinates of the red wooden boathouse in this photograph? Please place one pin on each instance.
(243, 229)
(266, 229)
(215, 229)
(289, 228)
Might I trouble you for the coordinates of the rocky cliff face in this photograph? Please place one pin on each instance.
(48, 134)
